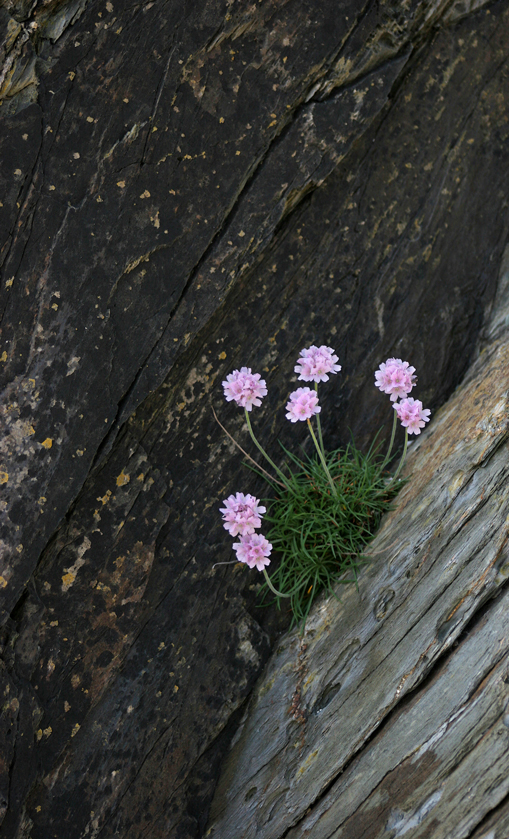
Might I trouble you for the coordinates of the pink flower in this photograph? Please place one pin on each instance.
(254, 549)
(412, 415)
(302, 405)
(395, 377)
(242, 514)
(315, 362)
(245, 388)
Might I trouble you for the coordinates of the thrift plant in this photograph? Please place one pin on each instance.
(325, 508)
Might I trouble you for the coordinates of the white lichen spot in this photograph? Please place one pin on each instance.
(72, 365)
(76, 155)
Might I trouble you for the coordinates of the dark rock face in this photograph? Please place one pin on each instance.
(186, 191)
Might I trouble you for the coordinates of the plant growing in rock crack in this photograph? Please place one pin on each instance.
(326, 507)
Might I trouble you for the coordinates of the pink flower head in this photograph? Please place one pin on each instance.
(245, 388)
(302, 405)
(253, 549)
(315, 362)
(412, 415)
(395, 377)
(242, 514)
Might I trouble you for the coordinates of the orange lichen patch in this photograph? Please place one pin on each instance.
(105, 498)
(47, 443)
(68, 579)
(75, 729)
(3, 582)
(123, 479)
(4, 477)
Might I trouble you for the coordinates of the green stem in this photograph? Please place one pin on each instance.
(255, 441)
(402, 459)
(318, 425)
(315, 441)
(274, 590)
(387, 456)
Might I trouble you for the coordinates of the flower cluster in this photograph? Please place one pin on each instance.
(314, 364)
(303, 404)
(412, 415)
(245, 388)
(395, 377)
(254, 550)
(242, 515)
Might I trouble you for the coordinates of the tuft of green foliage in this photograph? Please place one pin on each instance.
(320, 537)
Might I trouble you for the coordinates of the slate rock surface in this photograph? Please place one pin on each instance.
(185, 191)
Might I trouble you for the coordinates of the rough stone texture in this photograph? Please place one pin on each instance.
(185, 190)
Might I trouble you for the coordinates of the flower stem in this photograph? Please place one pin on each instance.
(255, 441)
(274, 590)
(402, 459)
(318, 425)
(387, 456)
(315, 441)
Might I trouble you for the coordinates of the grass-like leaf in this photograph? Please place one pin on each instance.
(320, 538)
